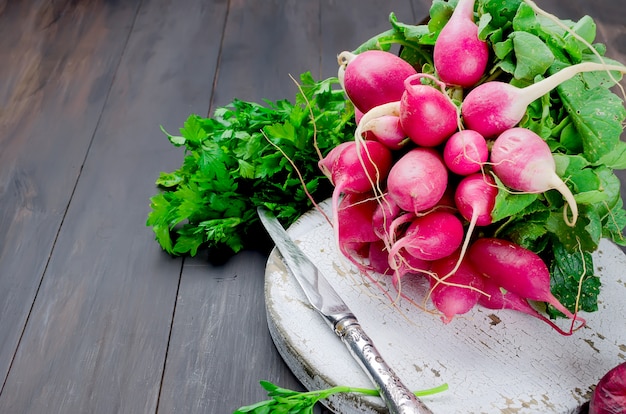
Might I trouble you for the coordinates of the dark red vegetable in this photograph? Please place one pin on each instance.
(609, 396)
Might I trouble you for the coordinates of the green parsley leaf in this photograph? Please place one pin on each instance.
(236, 161)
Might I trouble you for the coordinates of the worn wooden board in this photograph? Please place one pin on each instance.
(501, 362)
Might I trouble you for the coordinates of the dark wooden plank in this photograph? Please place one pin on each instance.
(347, 24)
(97, 338)
(265, 43)
(220, 346)
(59, 59)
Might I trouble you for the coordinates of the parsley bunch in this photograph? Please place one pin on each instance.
(247, 155)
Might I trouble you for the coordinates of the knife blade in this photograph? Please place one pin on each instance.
(325, 299)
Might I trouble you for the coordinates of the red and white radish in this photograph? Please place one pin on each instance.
(496, 298)
(354, 168)
(354, 218)
(384, 215)
(609, 395)
(373, 77)
(465, 152)
(522, 160)
(454, 292)
(418, 180)
(493, 107)
(431, 236)
(459, 56)
(475, 197)
(427, 115)
(517, 270)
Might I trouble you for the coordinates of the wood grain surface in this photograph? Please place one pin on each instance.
(94, 317)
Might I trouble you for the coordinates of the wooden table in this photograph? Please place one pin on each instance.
(94, 317)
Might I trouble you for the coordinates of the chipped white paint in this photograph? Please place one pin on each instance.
(494, 362)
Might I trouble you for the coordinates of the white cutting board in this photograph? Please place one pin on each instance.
(493, 361)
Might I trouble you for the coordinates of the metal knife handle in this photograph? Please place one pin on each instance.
(397, 397)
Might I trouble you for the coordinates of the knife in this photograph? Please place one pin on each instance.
(328, 303)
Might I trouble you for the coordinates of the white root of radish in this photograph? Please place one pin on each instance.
(493, 107)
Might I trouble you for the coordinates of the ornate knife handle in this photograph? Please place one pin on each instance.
(397, 397)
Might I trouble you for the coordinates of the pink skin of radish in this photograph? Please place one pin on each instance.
(387, 130)
(609, 395)
(427, 115)
(459, 56)
(475, 197)
(418, 180)
(354, 216)
(373, 77)
(465, 152)
(493, 107)
(386, 211)
(495, 298)
(354, 168)
(517, 270)
(523, 161)
(432, 236)
(378, 258)
(459, 291)
(357, 115)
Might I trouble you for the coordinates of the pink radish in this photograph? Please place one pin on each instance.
(523, 161)
(418, 180)
(378, 258)
(354, 216)
(386, 211)
(387, 130)
(609, 395)
(495, 298)
(354, 168)
(517, 270)
(493, 107)
(475, 197)
(432, 236)
(465, 152)
(358, 115)
(459, 56)
(458, 292)
(373, 77)
(427, 115)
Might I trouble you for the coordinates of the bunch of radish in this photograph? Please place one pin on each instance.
(417, 184)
